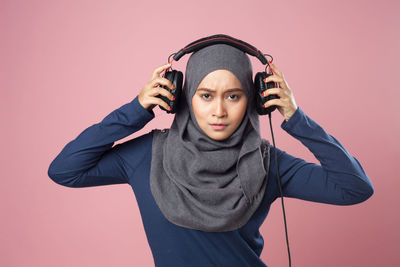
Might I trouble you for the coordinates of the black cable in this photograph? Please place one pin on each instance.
(280, 188)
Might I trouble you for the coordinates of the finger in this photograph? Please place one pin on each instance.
(274, 78)
(162, 81)
(277, 79)
(272, 91)
(275, 69)
(160, 69)
(160, 102)
(272, 102)
(161, 91)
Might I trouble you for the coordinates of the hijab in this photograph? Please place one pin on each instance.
(206, 184)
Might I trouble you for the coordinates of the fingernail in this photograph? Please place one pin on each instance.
(173, 98)
(169, 108)
(265, 79)
(173, 87)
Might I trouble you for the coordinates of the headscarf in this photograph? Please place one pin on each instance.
(206, 184)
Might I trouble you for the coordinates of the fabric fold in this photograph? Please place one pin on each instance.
(202, 183)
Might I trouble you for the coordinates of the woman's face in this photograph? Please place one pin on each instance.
(219, 99)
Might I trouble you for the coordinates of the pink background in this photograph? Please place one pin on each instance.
(65, 65)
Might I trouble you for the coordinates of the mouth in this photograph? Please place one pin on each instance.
(218, 126)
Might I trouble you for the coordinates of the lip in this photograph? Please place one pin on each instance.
(218, 126)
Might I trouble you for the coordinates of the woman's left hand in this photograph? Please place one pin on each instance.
(286, 103)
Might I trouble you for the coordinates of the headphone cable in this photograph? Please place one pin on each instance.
(280, 188)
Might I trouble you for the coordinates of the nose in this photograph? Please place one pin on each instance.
(219, 109)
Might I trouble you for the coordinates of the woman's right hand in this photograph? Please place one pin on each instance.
(147, 96)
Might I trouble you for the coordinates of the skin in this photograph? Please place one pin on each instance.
(286, 103)
(147, 96)
(219, 106)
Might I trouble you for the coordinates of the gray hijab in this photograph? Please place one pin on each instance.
(201, 183)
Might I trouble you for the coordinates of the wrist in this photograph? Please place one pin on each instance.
(290, 114)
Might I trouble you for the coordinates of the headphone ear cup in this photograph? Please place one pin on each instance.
(260, 87)
(176, 78)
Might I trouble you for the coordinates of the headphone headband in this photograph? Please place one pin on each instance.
(221, 39)
(176, 77)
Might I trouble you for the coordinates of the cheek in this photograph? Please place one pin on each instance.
(241, 109)
(199, 109)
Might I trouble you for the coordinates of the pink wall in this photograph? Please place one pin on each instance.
(64, 66)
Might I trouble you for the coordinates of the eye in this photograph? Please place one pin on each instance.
(235, 97)
(205, 96)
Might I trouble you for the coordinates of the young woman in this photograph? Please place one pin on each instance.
(205, 185)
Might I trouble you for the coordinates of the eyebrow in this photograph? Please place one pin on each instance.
(229, 90)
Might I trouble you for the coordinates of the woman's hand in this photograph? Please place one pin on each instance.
(286, 103)
(147, 96)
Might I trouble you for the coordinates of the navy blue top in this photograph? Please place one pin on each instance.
(92, 160)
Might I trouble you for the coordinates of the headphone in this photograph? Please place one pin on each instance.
(176, 77)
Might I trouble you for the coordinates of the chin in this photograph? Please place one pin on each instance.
(219, 137)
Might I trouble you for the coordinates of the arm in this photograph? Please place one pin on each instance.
(89, 159)
(339, 180)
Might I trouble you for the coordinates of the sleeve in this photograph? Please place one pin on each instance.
(338, 180)
(90, 159)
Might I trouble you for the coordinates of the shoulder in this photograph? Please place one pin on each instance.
(135, 146)
(159, 134)
(159, 138)
(265, 147)
(160, 131)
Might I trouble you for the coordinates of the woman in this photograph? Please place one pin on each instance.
(205, 186)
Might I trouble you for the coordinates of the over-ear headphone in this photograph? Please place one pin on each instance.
(176, 77)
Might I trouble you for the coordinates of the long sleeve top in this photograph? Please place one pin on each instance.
(92, 160)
